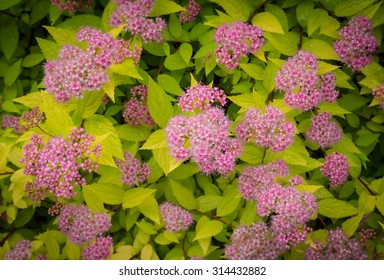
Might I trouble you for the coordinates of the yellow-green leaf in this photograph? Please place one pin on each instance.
(268, 22)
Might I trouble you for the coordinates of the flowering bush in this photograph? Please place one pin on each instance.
(191, 129)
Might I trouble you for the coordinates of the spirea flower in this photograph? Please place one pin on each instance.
(338, 247)
(378, 93)
(136, 111)
(31, 118)
(190, 12)
(10, 121)
(134, 13)
(303, 88)
(81, 225)
(174, 217)
(323, 130)
(133, 171)
(357, 44)
(336, 169)
(235, 40)
(254, 242)
(21, 251)
(204, 138)
(76, 70)
(72, 5)
(255, 179)
(269, 129)
(201, 97)
(99, 250)
(289, 210)
(56, 164)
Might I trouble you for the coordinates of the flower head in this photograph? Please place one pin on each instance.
(235, 40)
(21, 251)
(72, 5)
(323, 131)
(99, 250)
(270, 129)
(81, 225)
(190, 12)
(175, 218)
(132, 170)
(378, 93)
(136, 111)
(357, 43)
(10, 121)
(336, 169)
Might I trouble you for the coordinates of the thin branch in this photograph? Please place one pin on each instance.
(2, 242)
(366, 186)
(213, 217)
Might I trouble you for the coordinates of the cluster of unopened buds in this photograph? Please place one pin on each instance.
(136, 111)
(72, 5)
(190, 12)
(132, 170)
(29, 119)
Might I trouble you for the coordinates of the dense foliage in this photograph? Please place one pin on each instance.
(191, 129)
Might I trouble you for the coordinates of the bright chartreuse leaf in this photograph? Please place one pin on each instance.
(334, 208)
(183, 195)
(267, 22)
(159, 104)
(135, 196)
(164, 7)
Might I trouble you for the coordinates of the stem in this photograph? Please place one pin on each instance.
(2, 242)
(301, 37)
(322, 222)
(213, 217)
(366, 186)
(6, 173)
(44, 131)
(264, 153)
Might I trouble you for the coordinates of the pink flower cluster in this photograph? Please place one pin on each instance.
(288, 209)
(366, 235)
(72, 5)
(204, 138)
(190, 12)
(255, 242)
(338, 247)
(134, 14)
(201, 97)
(132, 170)
(336, 169)
(76, 70)
(303, 88)
(99, 250)
(323, 131)
(378, 93)
(56, 165)
(81, 225)
(270, 129)
(235, 40)
(21, 251)
(10, 121)
(357, 43)
(174, 217)
(256, 179)
(136, 110)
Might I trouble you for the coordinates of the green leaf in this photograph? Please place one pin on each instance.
(185, 52)
(150, 209)
(248, 216)
(12, 73)
(268, 22)
(54, 13)
(175, 62)
(10, 35)
(156, 141)
(136, 196)
(108, 10)
(39, 11)
(88, 105)
(108, 193)
(303, 11)
(32, 59)
(169, 84)
(164, 7)
(366, 203)
(100, 126)
(239, 9)
(9, 106)
(62, 36)
(333, 208)
(76, 22)
(52, 246)
(320, 49)
(174, 26)
(135, 134)
(184, 171)
(350, 226)
(352, 102)
(159, 104)
(269, 77)
(380, 203)
(72, 250)
(183, 195)
(49, 48)
(253, 70)
(92, 200)
(326, 67)
(333, 108)
(207, 202)
(24, 216)
(165, 160)
(206, 228)
(229, 202)
(352, 7)
(5, 4)
(251, 154)
(126, 68)
(286, 44)
(206, 49)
